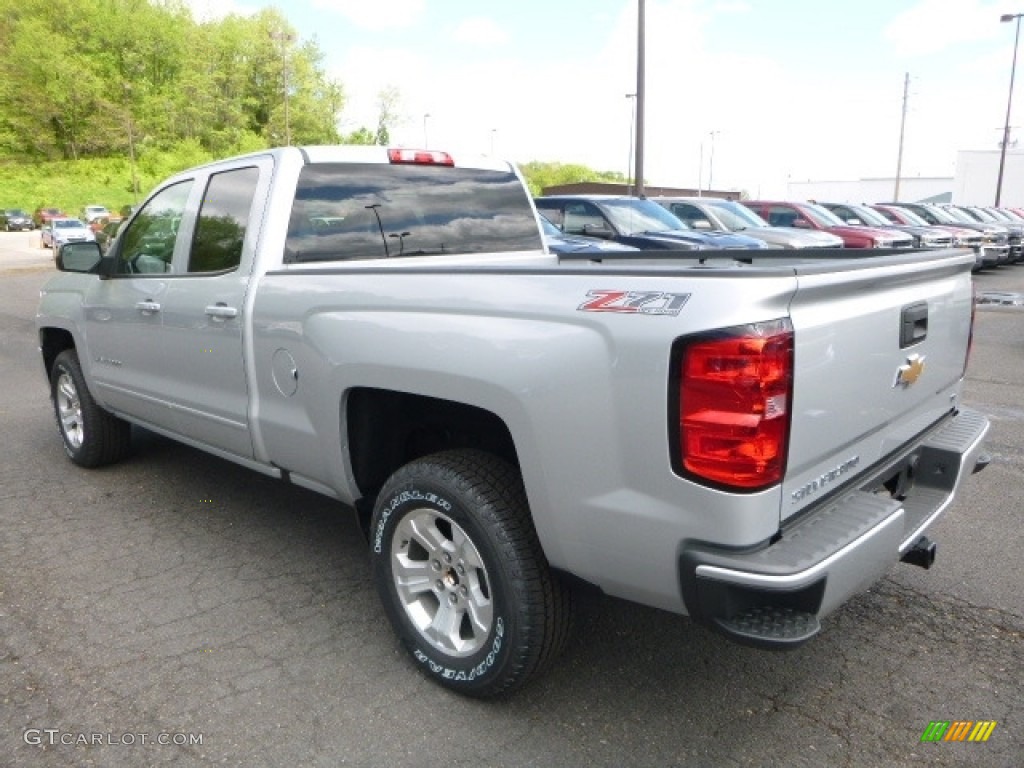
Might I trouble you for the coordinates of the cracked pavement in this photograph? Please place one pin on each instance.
(175, 593)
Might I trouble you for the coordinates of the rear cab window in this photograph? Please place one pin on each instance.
(345, 211)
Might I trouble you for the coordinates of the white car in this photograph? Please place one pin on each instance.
(61, 231)
(92, 212)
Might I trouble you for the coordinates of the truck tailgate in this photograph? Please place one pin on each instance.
(880, 355)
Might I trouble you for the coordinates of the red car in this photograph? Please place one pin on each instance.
(43, 216)
(812, 216)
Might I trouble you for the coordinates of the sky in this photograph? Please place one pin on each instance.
(740, 94)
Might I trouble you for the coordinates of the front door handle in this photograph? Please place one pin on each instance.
(221, 310)
(147, 307)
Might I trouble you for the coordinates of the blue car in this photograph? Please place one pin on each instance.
(557, 242)
(634, 221)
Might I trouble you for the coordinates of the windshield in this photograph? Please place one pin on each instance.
(68, 224)
(15, 212)
(870, 216)
(957, 215)
(982, 215)
(633, 216)
(908, 216)
(736, 216)
(823, 217)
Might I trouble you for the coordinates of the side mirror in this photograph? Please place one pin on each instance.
(597, 230)
(79, 257)
(801, 224)
(703, 224)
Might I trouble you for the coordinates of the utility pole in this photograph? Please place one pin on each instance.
(903, 125)
(1009, 102)
(638, 169)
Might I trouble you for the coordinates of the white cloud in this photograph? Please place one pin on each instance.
(376, 14)
(480, 31)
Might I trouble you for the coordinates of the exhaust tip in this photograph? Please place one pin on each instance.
(922, 554)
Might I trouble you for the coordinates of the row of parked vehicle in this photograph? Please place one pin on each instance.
(575, 223)
(96, 223)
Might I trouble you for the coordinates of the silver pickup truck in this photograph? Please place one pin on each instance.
(745, 437)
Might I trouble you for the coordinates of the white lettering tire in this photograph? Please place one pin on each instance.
(460, 571)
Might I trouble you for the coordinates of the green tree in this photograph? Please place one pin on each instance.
(539, 175)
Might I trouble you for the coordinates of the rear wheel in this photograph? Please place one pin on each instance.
(92, 437)
(462, 576)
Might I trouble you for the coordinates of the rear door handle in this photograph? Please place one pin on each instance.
(147, 307)
(221, 311)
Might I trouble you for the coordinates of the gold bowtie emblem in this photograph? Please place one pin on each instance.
(909, 372)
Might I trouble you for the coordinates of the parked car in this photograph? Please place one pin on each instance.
(862, 215)
(962, 237)
(1014, 230)
(12, 219)
(92, 212)
(633, 221)
(558, 242)
(712, 213)
(995, 239)
(42, 216)
(810, 216)
(61, 231)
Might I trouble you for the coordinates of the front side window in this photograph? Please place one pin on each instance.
(582, 218)
(692, 215)
(223, 219)
(376, 211)
(147, 246)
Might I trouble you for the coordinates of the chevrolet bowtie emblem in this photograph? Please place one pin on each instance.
(909, 372)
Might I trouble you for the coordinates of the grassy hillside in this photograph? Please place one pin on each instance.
(72, 184)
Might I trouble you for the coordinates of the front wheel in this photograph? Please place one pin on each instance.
(92, 437)
(460, 571)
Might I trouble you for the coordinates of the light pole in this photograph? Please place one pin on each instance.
(1009, 102)
(632, 123)
(285, 38)
(711, 160)
(426, 140)
(493, 131)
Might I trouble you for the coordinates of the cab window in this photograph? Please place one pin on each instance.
(147, 245)
(223, 220)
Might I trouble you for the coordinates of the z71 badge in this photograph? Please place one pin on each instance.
(634, 302)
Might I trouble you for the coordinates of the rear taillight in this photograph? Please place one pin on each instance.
(733, 392)
(419, 157)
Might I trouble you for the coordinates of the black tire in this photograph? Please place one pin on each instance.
(485, 619)
(92, 437)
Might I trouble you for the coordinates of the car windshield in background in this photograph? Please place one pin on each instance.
(910, 216)
(957, 216)
(823, 217)
(346, 211)
(870, 216)
(736, 216)
(67, 224)
(635, 216)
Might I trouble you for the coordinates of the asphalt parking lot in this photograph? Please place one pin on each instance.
(178, 598)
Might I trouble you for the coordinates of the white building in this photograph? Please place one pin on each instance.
(976, 174)
(914, 189)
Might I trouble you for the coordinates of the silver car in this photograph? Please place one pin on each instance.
(61, 231)
(712, 213)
